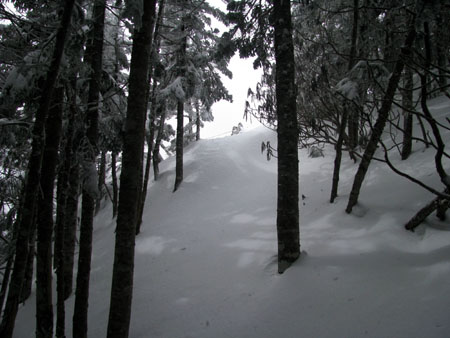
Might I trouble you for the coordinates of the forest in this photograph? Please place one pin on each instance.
(95, 95)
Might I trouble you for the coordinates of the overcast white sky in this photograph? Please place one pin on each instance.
(226, 114)
(229, 114)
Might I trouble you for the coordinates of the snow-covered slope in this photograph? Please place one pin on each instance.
(206, 257)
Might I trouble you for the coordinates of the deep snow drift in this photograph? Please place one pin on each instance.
(206, 257)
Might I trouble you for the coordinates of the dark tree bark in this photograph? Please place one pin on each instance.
(29, 270)
(122, 280)
(198, 121)
(151, 123)
(338, 158)
(70, 227)
(44, 302)
(179, 147)
(58, 257)
(101, 181)
(441, 44)
(5, 280)
(114, 183)
(383, 115)
(148, 161)
(353, 132)
(422, 214)
(287, 205)
(353, 117)
(33, 176)
(94, 55)
(159, 136)
(407, 97)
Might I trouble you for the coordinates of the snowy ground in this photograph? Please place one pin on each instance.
(206, 264)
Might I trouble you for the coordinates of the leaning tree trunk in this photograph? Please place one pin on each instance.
(33, 175)
(383, 115)
(438, 203)
(122, 279)
(44, 301)
(94, 54)
(287, 205)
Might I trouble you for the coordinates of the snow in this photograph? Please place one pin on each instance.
(206, 256)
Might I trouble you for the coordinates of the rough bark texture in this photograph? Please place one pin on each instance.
(288, 184)
(353, 132)
(422, 214)
(94, 53)
(152, 116)
(33, 176)
(198, 122)
(29, 269)
(122, 280)
(179, 145)
(114, 183)
(44, 302)
(148, 161)
(383, 115)
(101, 181)
(159, 136)
(70, 227)
(407, 96)
(180, 116)
(353, 117)
(338, 158)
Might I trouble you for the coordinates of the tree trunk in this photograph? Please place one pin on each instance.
(70, 228)
(407, 98)
(180, 115)
(33, 176)
(353, 118)
(383, 115)
(114, 182)
(441, 46)
(287, 205)
(151, 124)
(28, 278)
(179, 145)
(101, 181)
(159, 136)
(94, 54)
(338, 158)
(353, 131)
(44, 302)
(423, 213)
(58, 257)
(198, 122)
(148, 161)
(5, 280)
(122, 279)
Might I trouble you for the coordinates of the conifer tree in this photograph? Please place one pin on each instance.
(130, 188)
(33, 175)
